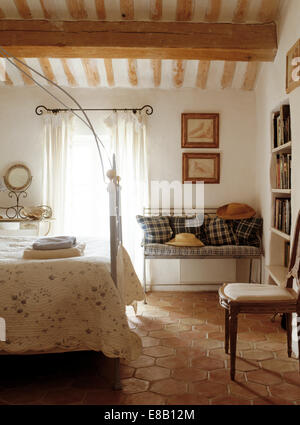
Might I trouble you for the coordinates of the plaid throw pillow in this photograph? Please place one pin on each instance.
(248, 231)
(188, 225)
(156, 229)
(219, 232)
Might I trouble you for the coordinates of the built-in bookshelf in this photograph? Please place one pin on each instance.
(281, 194)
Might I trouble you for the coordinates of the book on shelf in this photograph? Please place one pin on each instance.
(283, 171)
(282, 215)
(281, 126)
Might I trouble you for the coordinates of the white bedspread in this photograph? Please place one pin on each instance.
(66, 304)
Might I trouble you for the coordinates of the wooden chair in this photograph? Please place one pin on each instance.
(261, 299)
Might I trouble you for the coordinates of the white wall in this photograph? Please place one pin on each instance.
(270, 93)
(21, 140)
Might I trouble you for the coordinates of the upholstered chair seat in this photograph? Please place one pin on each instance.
(258, 293)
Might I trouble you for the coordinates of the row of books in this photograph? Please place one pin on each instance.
(282, 215)
(282, 126)
(283, 171)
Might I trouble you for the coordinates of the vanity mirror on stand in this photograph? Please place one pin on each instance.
(16, 218)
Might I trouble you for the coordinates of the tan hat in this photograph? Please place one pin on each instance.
(235, 211)
(185, 239)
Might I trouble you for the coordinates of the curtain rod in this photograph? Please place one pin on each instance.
(39, 110)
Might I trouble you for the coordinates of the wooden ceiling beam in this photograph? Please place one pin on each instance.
(152, 40)
(228, 75)
(184, 10)
(268, 10)
(250, 76)
(109, 72)
(23, 9)
(68, 73)
(155, 9)
(100, 9)
(77, 9)
(240, 12)
(213, 11)
(132, 72)
(202, 74)
(48, 10)
(178, 73)
(127, 9)
(156, 67)
(47, 69)
(91, 72)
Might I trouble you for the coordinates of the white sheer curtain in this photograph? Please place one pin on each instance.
(128, 141)
(58, 132)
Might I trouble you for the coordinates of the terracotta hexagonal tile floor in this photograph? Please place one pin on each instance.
(183, 362)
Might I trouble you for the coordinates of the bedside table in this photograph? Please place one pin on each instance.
(25, 227)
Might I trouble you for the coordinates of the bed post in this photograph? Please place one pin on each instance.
(115, 240)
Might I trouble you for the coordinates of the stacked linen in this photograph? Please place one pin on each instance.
(54, 247)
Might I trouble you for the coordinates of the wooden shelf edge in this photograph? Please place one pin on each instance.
(285, 191)
(278, 274)
(285, 147)
(281, 234)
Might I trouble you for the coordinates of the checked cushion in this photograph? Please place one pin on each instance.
(156, 229)
(248, 231)
(188, 225)
(219, 232)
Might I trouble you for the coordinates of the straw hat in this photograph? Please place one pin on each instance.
(235, 211)
(185, 239)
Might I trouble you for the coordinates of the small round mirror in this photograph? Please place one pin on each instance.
(17, 177)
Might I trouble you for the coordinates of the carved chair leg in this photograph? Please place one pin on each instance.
(289, 333)
(233, 321)
(226, 331)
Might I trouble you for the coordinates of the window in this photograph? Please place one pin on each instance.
(87, 211)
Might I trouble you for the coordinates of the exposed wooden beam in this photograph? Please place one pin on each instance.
(132, 72)
(2, 14)
(100, 9)
(48, 10)
(178, 73)
(156, 67)
(68, 73)
(202, 74)
(153, 40)
(155, 9)
(77, 9)
(127, 9)
(4, 74)
(91, 72)
(47, 69)
(109, 72)
(250, 76)
(240, 13)
(25, 78)
(23, 9)
(213, 11)
(228, 74)
(268, 10)
(184, 10)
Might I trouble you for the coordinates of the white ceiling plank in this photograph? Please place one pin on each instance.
(102, 72)
(120, 67)
(227, 10)
(253, 11)
(10, 9)
(239, 75)
(141, 10)
(14, 74)
(112, 8)
(166, 74)
(190, 73)
(59, 72)
(35, 9)
(77, 70)
(90, 7)
(200, 10)
(169, 10)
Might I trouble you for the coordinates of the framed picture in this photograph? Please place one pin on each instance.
(199, 130)
(197, 167)
(293, 70)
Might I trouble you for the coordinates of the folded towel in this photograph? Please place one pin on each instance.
(34, 254)
(55, 242)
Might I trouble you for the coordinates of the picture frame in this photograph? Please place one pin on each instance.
(294, 52)
(200, 130)
(197, 167)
